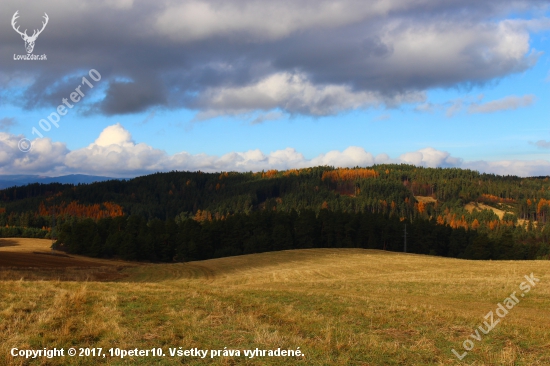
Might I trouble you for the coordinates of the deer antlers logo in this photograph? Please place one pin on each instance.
(29, 41)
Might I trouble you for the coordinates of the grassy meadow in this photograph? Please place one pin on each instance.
(340, 306)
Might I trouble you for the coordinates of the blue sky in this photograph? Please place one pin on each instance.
(251, 85)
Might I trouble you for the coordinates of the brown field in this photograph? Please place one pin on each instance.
(340, 306)
(23, 258)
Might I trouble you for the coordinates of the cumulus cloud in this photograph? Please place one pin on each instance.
(350, 157)
(295, 94)
(430, 157)
(311, 57)
(522, 168)
(114, 135)
(46, 156)
(508, 103)
(114, 153)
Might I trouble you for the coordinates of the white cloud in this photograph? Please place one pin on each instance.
(294, 93)
(115, 154)
(430, 157)
(508, 103)
(350, 157)
(114, 135)
(45, 156)
(522, 168)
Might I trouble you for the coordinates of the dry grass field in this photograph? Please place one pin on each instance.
(340, 306)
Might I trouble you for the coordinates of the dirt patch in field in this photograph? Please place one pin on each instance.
(39, 260)
(36, 253)
(98, 274)
(33, 260)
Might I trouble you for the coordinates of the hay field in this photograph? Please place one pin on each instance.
(340, 306)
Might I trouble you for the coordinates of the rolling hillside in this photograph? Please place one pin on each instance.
(340, 306)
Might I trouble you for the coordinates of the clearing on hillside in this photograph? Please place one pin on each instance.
(470, 207)
(425, 199)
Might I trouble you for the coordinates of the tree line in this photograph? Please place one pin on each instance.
(186, 239)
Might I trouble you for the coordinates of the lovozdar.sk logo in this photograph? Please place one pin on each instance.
(29, 40)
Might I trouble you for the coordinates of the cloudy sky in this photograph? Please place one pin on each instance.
(274, 84)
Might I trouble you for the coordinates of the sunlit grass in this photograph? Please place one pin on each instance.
(340, 306)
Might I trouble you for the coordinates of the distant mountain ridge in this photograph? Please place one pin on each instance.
(22, 180)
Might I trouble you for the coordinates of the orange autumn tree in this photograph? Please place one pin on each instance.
(420, 207)
(345, 178)
(346, 174)
(543, 208)
(270, 173)
(95, 211)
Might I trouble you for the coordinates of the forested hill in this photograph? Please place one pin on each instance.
(7, 181)
(453, 198)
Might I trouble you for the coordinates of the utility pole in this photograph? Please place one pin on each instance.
(405, 236)
(52, 231)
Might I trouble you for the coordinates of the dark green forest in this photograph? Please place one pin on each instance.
(181, 216)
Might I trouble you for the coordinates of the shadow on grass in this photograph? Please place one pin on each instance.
(8, 243)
